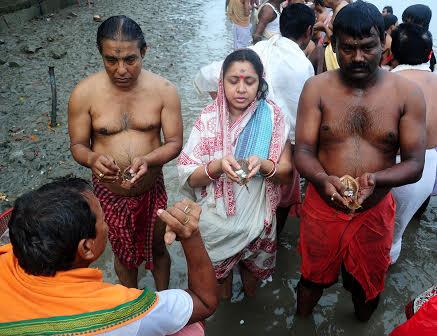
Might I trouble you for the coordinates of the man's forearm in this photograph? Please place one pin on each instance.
(202, 282)
(82, 154)
(256, 38)
(163, 154)
(406, 172)
(309, 167)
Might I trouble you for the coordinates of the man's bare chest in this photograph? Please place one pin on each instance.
(111, 117)
(375, 121)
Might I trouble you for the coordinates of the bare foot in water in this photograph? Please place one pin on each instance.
(249, 281)
(225, 287)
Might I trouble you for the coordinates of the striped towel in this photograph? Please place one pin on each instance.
(256, 136)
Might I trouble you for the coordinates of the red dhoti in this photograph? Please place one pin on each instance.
(131, 221)
(360, 241)
(422, 316)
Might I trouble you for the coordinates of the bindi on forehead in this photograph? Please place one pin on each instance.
(244, 74)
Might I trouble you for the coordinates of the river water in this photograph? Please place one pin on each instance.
(183, 36)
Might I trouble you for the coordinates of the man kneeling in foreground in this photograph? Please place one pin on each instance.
(47, 287)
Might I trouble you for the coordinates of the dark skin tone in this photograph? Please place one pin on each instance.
(346, 126)
(352, 121)
(202, 285)
(265, 16)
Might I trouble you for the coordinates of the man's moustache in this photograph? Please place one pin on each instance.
(354, 66)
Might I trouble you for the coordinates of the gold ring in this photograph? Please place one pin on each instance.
(332, 197)
(187, 210)
(186, 220)
(101, 175)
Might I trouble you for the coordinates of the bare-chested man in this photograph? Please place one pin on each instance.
(115, 120)
(352, 121)
(411, 48)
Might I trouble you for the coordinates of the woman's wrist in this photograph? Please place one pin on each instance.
(267, 168)
(213, 170)
(216, 167)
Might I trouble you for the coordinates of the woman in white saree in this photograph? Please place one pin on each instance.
(238, 223)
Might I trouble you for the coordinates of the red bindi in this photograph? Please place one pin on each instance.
(242, 76)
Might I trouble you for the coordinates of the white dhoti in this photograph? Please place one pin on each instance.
(434, 191)
(410, 197)
(242, 36)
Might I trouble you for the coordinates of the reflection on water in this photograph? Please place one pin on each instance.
(183, 36)
(272, 311)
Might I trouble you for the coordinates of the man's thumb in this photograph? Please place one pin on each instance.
(134, 167)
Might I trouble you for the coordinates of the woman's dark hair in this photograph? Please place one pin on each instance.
(121, 28)
(390, 20)
(251, 56)
(388, 9)
(411, 44)
(47, 225)
(295, 20)
(417, 14)
(357, 20)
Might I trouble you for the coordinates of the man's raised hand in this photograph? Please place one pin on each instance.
(182, 220)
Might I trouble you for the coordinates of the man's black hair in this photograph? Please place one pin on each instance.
(121, 28)
(251, 56)
(390, 20)
(295, 20)
(357, 20)
(388, 9)
(411, 44)
(47, 225)
(319, 3)
(418, 14)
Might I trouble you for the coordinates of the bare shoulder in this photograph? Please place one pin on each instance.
(322, 80)
(86, 87)
(159, 85)
(405, 87)
(265, 12)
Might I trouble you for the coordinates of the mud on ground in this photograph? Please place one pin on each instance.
(31, 152)
(182, 37)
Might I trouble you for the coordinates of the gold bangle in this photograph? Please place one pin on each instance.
(208, 173)
(272, 173)
(272, 170)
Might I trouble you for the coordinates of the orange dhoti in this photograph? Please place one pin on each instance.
(360, 241)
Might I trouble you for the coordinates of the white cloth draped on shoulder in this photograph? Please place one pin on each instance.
(403, 67)
(231, 217)
(286, 70)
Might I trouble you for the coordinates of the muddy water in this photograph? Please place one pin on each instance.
(182, 37)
